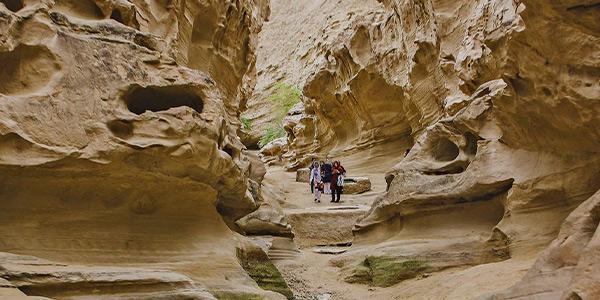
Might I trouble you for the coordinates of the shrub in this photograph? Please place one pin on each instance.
(284, 97)
(246, 124)
(272, 132)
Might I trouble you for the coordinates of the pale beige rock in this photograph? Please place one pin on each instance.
(356, 185)
(119, 157)
(268, 219)
(497, 101)
(303, 175)
(568, 268)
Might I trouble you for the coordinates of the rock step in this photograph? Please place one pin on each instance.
(281, 254)
(329, 225)
(330, 250)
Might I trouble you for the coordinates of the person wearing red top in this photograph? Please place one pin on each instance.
(337, 177)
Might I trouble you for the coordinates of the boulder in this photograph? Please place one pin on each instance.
(356, 185)
(303, 175)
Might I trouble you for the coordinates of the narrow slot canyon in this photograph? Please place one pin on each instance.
(308, 150)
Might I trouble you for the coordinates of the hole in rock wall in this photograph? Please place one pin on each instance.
(84, 9)
(26, 69)
(230, 150)
(444, 150)
(121, 128)
(116, 15)
(156, 99)
(13, 5)
(522, 87)
(471, 140)
(388, 180)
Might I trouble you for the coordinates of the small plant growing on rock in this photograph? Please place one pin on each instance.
(271, 133)
(283, 98)
(246, 124)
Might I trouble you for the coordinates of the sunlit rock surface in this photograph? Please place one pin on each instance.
(492, 108)
(122, 172)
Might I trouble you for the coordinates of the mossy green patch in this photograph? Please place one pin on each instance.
(261, 269)
(270, 134)
(385, 271)
(360, 274)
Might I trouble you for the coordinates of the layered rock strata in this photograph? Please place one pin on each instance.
(122, 172)
(496, 100)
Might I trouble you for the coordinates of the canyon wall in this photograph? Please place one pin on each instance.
(122, 172)
(492, 108)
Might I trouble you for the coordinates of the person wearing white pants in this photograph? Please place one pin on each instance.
(315, 178)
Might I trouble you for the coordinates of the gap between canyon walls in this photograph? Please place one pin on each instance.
(501, 128)
(122, 173)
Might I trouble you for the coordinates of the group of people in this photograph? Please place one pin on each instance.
(327, 178)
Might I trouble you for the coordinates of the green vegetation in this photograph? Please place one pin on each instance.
(283, 98)
(360, 274)
(261, 269)
(246, 124)
(271, 133)
(385, 271)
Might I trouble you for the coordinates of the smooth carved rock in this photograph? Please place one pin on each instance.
(268, 219)
(501, 122)
(568, 268)
(356, 185)
(118, 146)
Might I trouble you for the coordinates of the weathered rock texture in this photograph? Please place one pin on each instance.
(498, 100)
(119, 159)
(568, 268)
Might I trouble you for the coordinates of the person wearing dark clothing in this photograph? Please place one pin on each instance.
(326, 169)
(337, 181)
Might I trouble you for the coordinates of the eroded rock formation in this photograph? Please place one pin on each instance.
(122, 173)
(497, 102)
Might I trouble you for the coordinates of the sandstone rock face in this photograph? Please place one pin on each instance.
(303, 175)
(568, 268)
(293, 46)
(119, 158)
(356, 185)
(499, 101)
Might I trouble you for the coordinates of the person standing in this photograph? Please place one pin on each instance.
(326, 169)
(337, 181)
(315, 178)
(310, 181)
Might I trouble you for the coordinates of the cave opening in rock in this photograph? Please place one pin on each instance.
(142, 99)
(121, 128)
(13, 5)
(444, 150)
(230, 151)
(471, 140)
(116, 15)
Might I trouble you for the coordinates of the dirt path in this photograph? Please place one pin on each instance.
(323, 231)
(323, 227)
